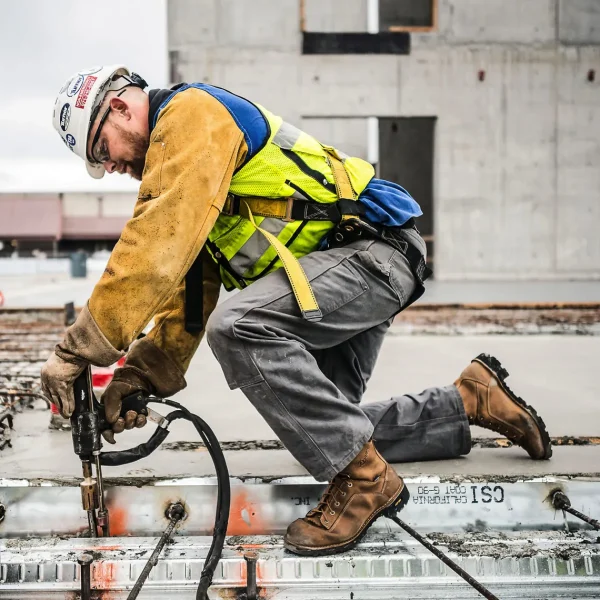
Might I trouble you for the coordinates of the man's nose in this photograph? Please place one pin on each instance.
(110, 166)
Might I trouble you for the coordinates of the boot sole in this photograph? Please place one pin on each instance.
(391, 508)
(492, 364)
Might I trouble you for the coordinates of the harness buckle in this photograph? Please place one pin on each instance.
(229, 206)
(288, 211)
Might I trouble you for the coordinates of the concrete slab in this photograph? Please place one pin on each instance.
(554, 373)
(547, 371)
(41, 454)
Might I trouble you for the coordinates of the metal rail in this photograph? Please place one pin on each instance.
(527, 565)
(267, 508)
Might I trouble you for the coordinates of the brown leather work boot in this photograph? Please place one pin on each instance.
(367, 488)
(490, 403)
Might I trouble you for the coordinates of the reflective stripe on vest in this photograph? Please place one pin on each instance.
(256, 245)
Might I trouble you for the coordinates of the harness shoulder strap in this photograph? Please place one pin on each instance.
(343, 185)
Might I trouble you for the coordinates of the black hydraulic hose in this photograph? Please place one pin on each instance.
(223, 498)
(445, 559)
(125, 457)
(223, 487)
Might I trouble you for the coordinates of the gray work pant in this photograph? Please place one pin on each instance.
(307, 379)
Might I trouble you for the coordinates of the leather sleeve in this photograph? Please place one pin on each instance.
(169, 332)
(194, 150)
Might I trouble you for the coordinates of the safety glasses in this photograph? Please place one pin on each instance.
(99, 152)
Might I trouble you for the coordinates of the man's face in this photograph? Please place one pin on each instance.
(123, 139)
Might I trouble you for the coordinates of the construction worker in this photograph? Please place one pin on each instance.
(229, 194)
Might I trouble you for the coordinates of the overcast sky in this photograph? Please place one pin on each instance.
(42, 43)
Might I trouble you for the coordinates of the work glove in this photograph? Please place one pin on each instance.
(147, 369)
(83, 344)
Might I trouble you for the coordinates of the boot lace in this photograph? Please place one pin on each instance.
(329, 500)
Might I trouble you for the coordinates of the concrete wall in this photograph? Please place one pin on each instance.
(517, 154)
(64, 216)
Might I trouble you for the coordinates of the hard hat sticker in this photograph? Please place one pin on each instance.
(65, 116)
(70, 141)
(85, 91)
(75, 85)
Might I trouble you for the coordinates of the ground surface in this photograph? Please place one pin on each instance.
(557, 374)
(44, 454)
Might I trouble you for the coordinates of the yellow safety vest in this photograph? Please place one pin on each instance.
(256, 234)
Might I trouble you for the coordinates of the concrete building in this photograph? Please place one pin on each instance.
(48, 207)
(488, 111)
(57, 223)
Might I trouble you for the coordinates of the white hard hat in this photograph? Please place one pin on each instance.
(78, 102)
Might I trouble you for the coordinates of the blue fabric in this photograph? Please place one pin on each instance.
(388, 204)
(247, 116)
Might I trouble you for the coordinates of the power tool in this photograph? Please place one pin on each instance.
(88, 421)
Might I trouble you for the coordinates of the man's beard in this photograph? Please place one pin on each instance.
(138, 144)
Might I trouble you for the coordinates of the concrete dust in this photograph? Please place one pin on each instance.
(242, 445)
(234, 445)
(551, 544)
(522, 319)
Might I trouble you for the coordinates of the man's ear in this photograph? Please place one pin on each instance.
(119, 106)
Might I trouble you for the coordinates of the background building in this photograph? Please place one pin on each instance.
(47, 200)
(487, 111)
(57, 216)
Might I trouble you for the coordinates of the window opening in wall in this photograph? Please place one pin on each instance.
(408, 15)
(314, 42)
(406, 157)
(402, 150)
(355, 30)
(89, 246)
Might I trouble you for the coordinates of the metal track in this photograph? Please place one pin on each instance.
(392, 566)
(137, 506)
(512, 564)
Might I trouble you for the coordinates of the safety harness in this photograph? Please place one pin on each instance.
(346, 213)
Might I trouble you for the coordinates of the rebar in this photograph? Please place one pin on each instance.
(560, 501)
(175, 513)
(251, 591)
(445, 559)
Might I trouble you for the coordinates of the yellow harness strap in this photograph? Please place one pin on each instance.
(274, 208)
(298, 279)
(265, 207)
(281, 209)
(343, 185)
